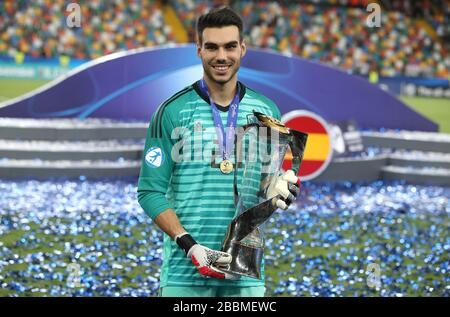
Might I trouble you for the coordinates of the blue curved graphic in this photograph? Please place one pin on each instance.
(302, 101)
(131, 85)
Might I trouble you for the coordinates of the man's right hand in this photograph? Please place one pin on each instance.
(204, 258)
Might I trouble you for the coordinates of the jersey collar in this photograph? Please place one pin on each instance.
(197, 89)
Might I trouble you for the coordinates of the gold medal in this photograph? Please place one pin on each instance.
(226, 166)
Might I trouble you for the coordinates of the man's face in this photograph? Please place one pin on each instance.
(221, 53)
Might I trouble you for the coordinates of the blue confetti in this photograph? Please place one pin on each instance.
(91, 238)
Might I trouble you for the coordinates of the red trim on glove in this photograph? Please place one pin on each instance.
(194, 260)
(206, 271)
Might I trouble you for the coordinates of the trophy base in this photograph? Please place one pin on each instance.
(246, 260)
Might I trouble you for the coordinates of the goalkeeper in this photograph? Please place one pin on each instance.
(191, 199)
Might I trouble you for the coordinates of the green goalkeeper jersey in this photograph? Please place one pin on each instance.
(180, 170)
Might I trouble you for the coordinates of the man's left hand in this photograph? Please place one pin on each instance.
(286, 185)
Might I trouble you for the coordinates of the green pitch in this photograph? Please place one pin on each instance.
(436, 109)
(10, 88)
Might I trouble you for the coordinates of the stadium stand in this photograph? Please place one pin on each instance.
(37, 28)
(336, 35)
(328, 31)
(435, 12)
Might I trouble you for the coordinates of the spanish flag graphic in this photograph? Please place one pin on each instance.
(318, 150)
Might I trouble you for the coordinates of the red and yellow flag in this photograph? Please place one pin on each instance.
(318, 150)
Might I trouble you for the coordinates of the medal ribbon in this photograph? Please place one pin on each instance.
(225, 144)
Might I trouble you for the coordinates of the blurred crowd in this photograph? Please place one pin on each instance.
(336, 35)
(334, 32)
(435, 12)
(38, 28)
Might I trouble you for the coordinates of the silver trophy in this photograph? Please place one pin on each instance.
(261, 146)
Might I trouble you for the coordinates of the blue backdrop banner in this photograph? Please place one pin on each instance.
(130, 86)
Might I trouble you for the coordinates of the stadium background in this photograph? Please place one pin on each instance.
(84, 236)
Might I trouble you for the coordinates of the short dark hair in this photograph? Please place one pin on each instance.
(217, 18)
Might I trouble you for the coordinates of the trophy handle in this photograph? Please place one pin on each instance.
(245, 223)
(297, 143)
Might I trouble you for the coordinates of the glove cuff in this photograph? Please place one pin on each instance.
(185, 241)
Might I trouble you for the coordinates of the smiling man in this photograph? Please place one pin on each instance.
(191, 199)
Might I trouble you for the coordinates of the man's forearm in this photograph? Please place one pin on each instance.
(169, 223)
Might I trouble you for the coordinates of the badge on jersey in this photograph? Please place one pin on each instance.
(154, 157)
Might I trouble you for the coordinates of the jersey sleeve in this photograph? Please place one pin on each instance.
(157, 165)
(273, 107)
(276, 112)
